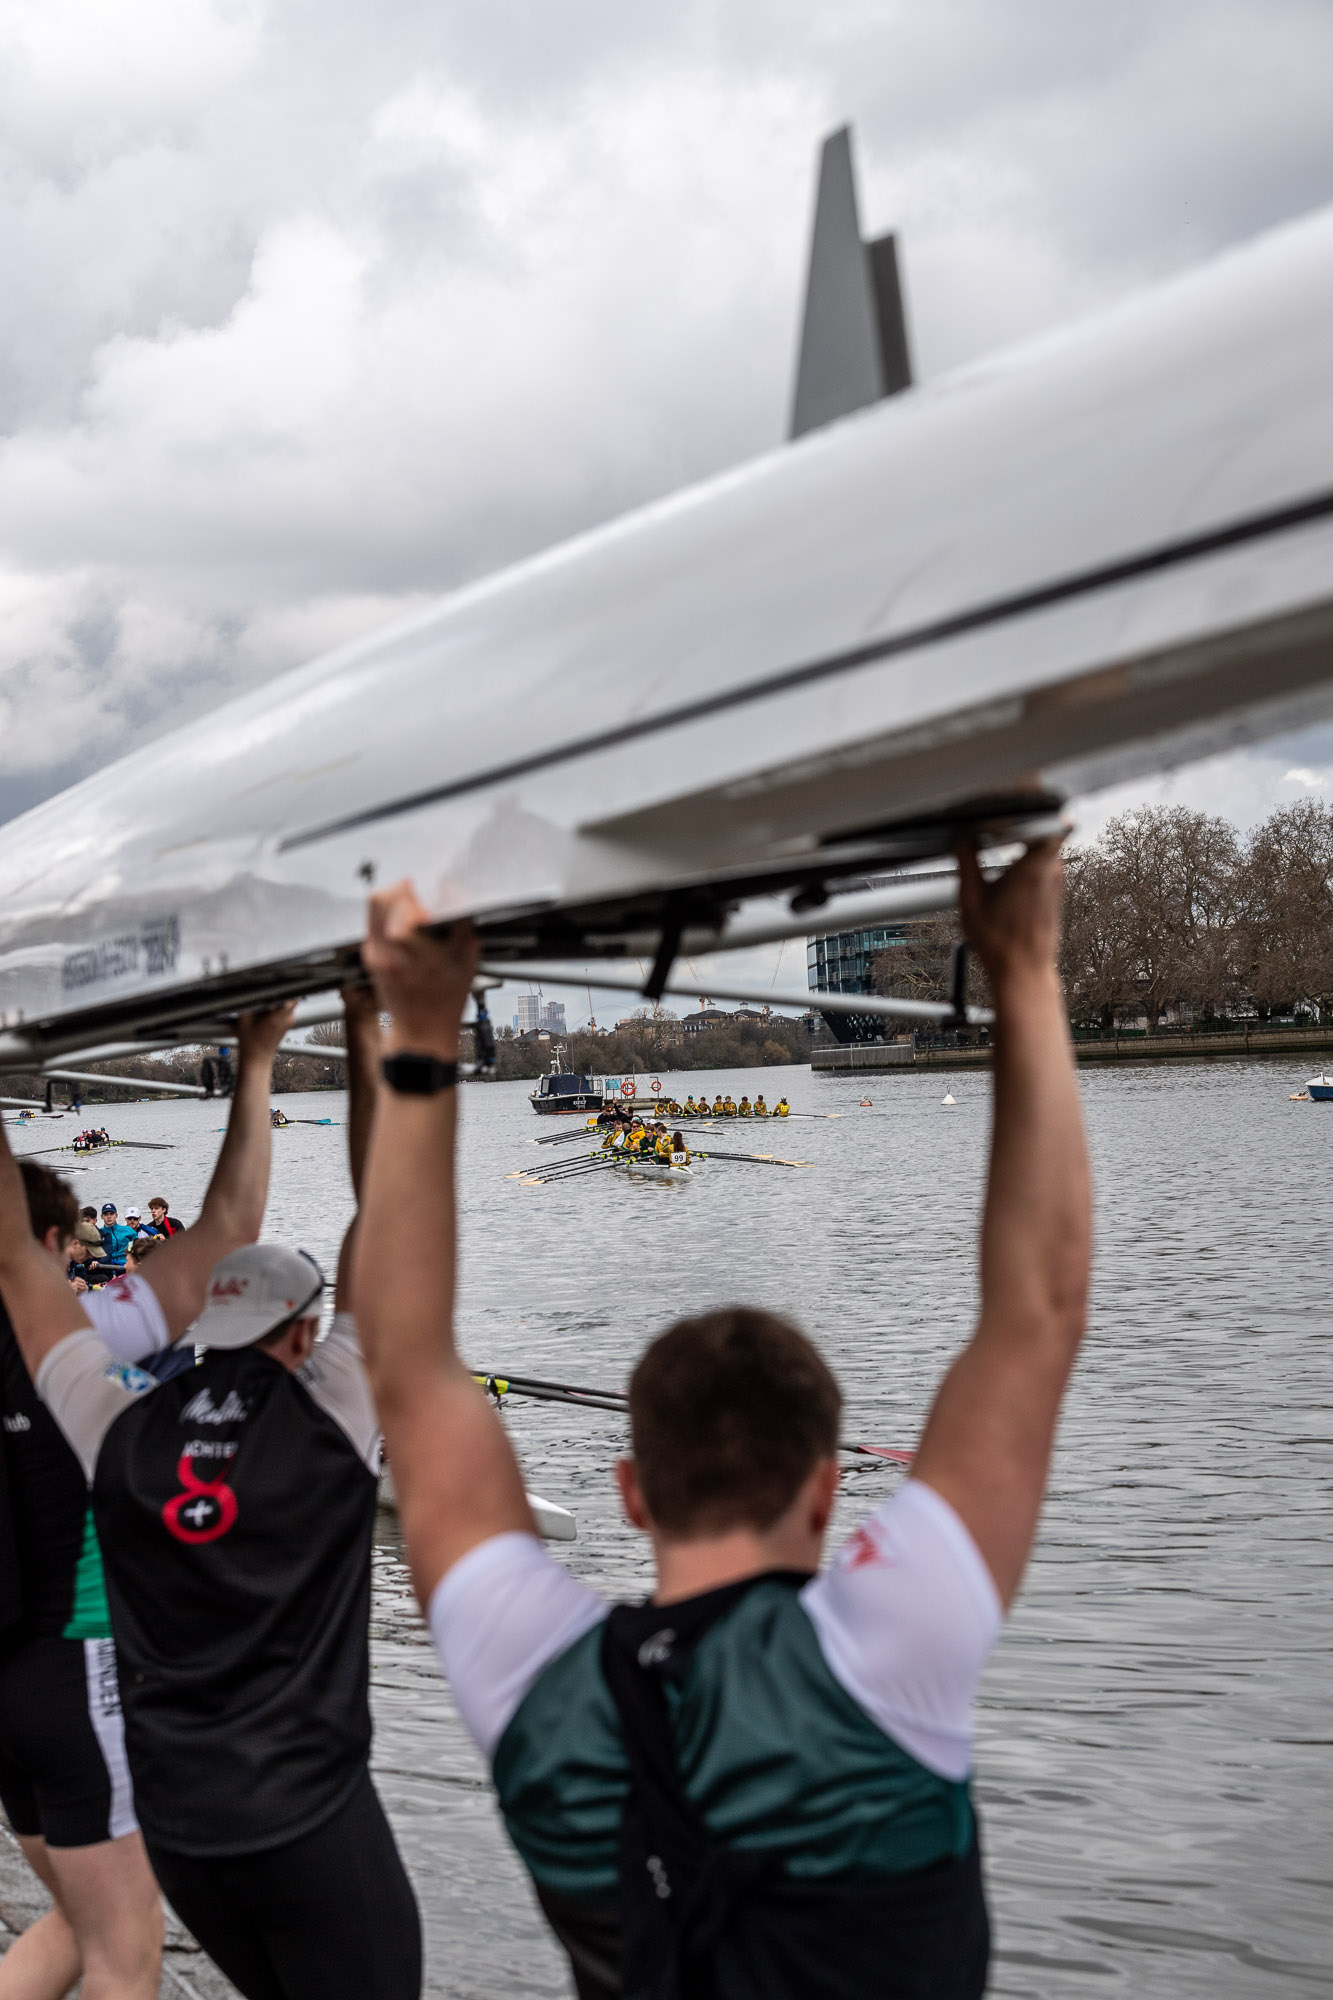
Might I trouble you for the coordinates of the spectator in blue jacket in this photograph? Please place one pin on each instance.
(115, 1235)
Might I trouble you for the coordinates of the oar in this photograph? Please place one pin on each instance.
(314, 1121)
(879, 1451)
(615, 1400)
(553, 1392)
(592, 1132)
(571, 1172)
(559, 1166)
(754, 1159)
(115, 1145)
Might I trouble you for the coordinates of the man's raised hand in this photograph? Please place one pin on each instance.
(258, 1034)
(1013, 923)
(421, 981)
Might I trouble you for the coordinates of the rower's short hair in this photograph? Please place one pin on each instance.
(51, 1201)
(729, 1413)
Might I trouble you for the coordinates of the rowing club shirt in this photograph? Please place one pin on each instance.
(235, 1505)
(822, 1726)
(49, 1558)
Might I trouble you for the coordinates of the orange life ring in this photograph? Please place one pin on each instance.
(655, 1086)
(627, 1086)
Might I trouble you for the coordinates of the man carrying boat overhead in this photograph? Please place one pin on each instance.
(756, 1786)
(63, 1777)
(235, 1505)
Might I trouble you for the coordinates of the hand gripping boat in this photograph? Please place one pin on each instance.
(935, 609)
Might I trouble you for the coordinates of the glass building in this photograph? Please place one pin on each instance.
(844, 962)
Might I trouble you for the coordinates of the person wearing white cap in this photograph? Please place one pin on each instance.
(64, 1782)
(235, 1505)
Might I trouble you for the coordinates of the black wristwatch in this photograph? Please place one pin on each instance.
(419, 1076)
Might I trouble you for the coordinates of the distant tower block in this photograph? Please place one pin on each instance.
(854, 332)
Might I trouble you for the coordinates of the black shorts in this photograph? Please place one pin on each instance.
(63, 1773)
(329, 1916)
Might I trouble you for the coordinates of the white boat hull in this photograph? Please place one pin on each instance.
(656, 1169)
(1063, 567)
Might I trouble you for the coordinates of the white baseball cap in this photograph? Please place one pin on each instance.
(133, 1214)
(252, 1291)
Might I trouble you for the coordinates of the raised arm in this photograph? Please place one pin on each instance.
(987, 1442)
(41, 1306)
(457, 1478)
(362, 1016)
(233, 1208)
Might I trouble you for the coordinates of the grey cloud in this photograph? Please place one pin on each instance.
(314, 310)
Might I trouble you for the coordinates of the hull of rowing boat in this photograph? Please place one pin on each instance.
(1063, 567)
(657, 1170)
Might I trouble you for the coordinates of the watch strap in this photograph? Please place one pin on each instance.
(417, 1075)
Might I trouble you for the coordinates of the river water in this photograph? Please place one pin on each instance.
(1155, 1731)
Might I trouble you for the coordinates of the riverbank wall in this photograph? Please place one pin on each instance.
(1242, 1044)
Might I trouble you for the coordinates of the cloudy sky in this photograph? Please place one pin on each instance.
(312, 311)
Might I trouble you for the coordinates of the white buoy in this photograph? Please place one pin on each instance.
(948, 1098)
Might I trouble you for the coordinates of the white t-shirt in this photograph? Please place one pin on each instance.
(905, 1616)
(85, 1382)
(127, 1315)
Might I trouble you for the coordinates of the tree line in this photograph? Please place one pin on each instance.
(1173, 912)
(657, 1041)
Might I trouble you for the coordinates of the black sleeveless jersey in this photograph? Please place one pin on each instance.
(43, 1508)
(236, 1520)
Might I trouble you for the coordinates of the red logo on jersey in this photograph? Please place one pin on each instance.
(204, 1511)
(861, 1551)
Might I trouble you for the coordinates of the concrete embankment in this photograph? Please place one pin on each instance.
(1311, 1045)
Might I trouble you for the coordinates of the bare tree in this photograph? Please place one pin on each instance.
(328, 1035)
(919, 967)
(1286, 923)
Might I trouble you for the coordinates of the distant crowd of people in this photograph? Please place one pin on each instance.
(102, 1248)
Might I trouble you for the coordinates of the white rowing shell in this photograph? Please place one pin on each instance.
(1064, 566)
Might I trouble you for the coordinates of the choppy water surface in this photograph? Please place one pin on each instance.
(1154, 1731)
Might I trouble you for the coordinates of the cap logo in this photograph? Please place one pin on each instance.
(229, 1288)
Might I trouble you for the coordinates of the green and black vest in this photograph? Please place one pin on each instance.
(708, 1814)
